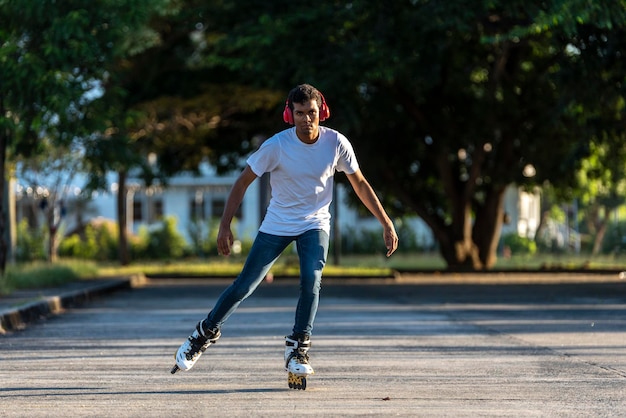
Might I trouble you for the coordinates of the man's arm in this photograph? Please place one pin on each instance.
(366, 194)
(235, 197)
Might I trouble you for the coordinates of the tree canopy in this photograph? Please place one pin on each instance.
(52, 55)
(446, 103)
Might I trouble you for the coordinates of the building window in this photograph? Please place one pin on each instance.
(137, 211)
(197, 210)
(147, 210)
(217, 209)
(156, 212)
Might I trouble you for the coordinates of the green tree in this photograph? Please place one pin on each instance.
(602, 181)
(51, 58)
(600, 184)
(447, 104)
(50, 175)
(109, 118)
(159, 102)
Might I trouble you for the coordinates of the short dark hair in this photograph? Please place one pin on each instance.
(302, 94)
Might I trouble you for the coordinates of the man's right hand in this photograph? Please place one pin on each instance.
(225, 241)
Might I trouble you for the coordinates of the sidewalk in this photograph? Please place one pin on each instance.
(22, 307)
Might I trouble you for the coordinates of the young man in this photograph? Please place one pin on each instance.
(301, 161)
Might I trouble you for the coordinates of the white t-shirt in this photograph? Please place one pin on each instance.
(301, 176)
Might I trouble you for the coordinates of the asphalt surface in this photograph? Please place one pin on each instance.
(425, 346)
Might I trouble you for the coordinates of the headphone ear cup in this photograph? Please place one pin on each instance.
(288, 114)
(324, 110)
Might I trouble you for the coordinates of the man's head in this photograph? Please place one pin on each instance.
(303, 94)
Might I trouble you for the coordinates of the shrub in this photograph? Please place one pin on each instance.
(203, 236)
(355, 241)
(31, 243)
(98, 241)
(165, 241)
(519, 245)
(370, 241)
(615, 239)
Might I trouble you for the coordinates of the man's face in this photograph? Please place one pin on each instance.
(306, 117)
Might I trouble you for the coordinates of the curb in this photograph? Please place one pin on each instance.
(18, 318)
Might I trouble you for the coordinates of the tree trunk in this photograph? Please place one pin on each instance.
(52, 244)
(488, 226)
(467, 248)
(600, 227)
(53, 218)
(460, 255)
(4, 140)
(456, 245)
(122, 222)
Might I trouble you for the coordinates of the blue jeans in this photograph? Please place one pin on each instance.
(312, 247)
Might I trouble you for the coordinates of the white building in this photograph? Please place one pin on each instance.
(186, 198)
(189, 197)
(523, 212)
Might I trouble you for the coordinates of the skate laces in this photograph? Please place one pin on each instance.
(199, 343)
(298, 350)
(301, 357)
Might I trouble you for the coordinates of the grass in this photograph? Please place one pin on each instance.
(563, 261)
(232, 267)
(37, 275)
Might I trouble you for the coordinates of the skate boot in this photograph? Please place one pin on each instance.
(297, 361)
(191, 350)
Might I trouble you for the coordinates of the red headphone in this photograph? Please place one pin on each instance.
(324, 111)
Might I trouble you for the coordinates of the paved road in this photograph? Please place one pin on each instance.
(380, 348)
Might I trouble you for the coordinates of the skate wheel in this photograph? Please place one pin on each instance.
(296, 382)
(174, 369)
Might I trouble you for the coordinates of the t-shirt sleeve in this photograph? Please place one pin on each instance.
(264, 159)
(347, 161)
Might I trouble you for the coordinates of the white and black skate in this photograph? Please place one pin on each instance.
(297, 362)
(193, 347)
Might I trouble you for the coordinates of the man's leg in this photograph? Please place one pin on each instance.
(264, 252)
(312, 249)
